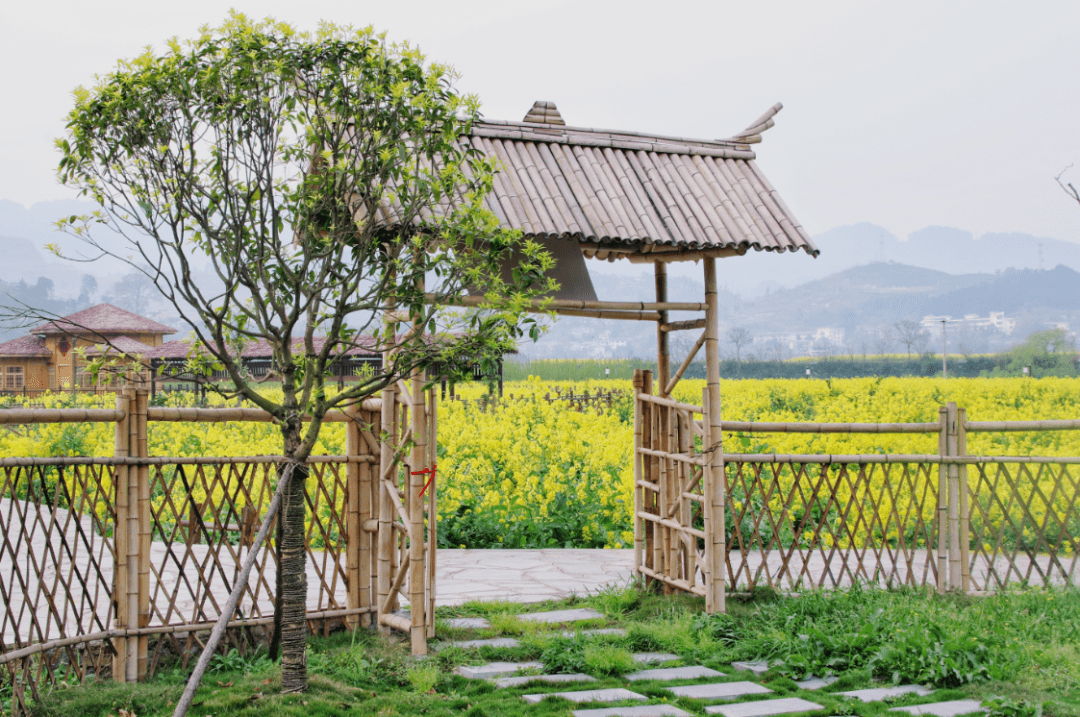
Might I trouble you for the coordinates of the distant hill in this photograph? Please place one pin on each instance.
(1026, 291)
(879, 293)
(862, 300)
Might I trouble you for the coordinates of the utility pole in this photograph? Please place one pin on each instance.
(944, 362)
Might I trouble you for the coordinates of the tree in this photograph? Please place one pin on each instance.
(88, 287)
(778, 348)
(739, 336)
(883, 342)
(911, 335)
(1047, 353)
(1068, 187)
(133, 292)
(323, 178)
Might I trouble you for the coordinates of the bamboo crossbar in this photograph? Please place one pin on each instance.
(610, 314)
(683, 325)
(37, 648)
(674, 525)
(253, 415)
(27, 461)
(894, 458)
(763, 427)
(395, 621)
(194, 415)
(675, 582)
(669, 402)
(693, 460)
(9, 416)
(551, 304)
(1048, 425)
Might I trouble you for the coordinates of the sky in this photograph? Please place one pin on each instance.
(902, 114)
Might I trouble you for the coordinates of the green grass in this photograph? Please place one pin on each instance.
(1020, 648)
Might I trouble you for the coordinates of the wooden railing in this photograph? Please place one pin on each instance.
(948, 520)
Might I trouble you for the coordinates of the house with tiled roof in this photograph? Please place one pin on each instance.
(49, 358)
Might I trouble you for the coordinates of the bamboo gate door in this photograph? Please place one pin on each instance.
(399, 507)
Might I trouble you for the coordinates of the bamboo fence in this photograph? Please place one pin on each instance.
(108, 566)
(949, 520)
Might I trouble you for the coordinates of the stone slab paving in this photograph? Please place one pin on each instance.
(465, 623)
(719, 690)
(495, 669)
(471, 644)
(645, 658)
(953, 708)
(816, 683)
(616, 694)
(674, 673)
(876, 694)
(525, 679)
(553, 617)
(758, 667)
(764, 708)
(637, 711)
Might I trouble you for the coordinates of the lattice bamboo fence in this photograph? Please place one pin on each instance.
(791, 522)
(108, 566)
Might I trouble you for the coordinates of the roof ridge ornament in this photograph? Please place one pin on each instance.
(752, 134)
(544, 113)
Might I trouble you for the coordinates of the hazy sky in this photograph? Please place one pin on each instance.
(904, 114)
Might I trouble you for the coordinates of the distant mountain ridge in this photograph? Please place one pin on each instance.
(953, 251)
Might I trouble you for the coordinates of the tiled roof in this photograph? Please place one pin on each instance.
(121, 345)
(104, 318)
(25, 346)
(169, 350)
(626, 194)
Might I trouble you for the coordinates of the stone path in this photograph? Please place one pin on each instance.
(699, 684)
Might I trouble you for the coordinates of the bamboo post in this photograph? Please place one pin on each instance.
(417, 478)
(952, 445)
(656, 473)
(648, 475)
(686, 509)
(639, 497)
(663, 358)
(965, 513)
(131, 527)
(943, 503)
(354, 535)
(663, 563)
(433, 509)
(673, 470)
(145, 530)
(386, 507)
(714, 479)
(120, 536)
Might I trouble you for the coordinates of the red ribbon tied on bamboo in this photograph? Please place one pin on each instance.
(431, 480)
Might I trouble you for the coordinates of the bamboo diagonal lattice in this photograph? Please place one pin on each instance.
(110, 565)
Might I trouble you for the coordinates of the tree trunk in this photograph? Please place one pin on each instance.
(292, 569)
